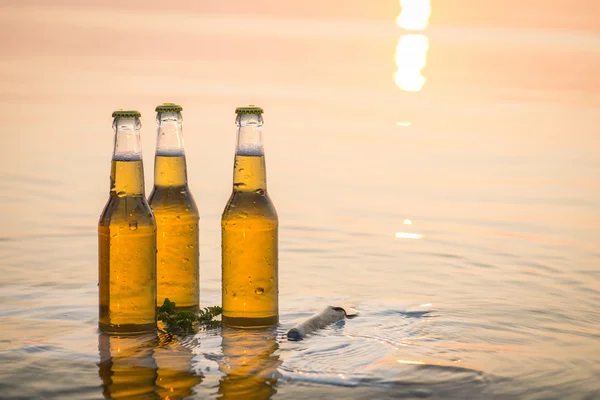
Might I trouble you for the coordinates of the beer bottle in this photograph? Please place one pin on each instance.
(176, 214)
(127, 237)
(249, 233)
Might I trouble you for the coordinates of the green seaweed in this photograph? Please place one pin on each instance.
(184, 322)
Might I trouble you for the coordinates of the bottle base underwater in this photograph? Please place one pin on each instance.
(129, 329)
(239, 322)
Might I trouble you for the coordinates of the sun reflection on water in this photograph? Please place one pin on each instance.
(411, 52)
(411, 362)
(414, 15)
(407, 235)
(411, 56)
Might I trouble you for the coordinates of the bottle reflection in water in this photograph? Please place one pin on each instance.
(249, 363)
(249, 235)
(175, 379)
(177, 262)
(127, 367)
(126, 233)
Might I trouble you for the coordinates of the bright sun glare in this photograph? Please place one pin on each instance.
(411, 56)
(414, 15)
(411, 52)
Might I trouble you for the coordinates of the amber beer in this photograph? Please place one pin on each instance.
(126, 232)
(176, 216)
(249, 233)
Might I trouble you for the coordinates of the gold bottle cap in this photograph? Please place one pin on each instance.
(168, 107)
(126, 114)
(251, 109)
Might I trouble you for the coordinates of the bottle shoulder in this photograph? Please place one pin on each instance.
(242, 205)
(127, 208)
(173, 197)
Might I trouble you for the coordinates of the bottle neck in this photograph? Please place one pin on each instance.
(127, 171)
(249, 171)
(170, 164)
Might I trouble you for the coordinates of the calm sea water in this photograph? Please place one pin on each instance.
(444, 181)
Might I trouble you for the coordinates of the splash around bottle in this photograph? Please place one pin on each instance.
(127, 238)
(249, 233)
(177, 217)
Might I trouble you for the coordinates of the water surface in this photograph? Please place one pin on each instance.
(443, 180)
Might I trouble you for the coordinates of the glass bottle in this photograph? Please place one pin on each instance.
(249, 233)
(177, 219)
(127, 238)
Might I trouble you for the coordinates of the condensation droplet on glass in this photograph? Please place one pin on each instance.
(133, 226)
(259, 290)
